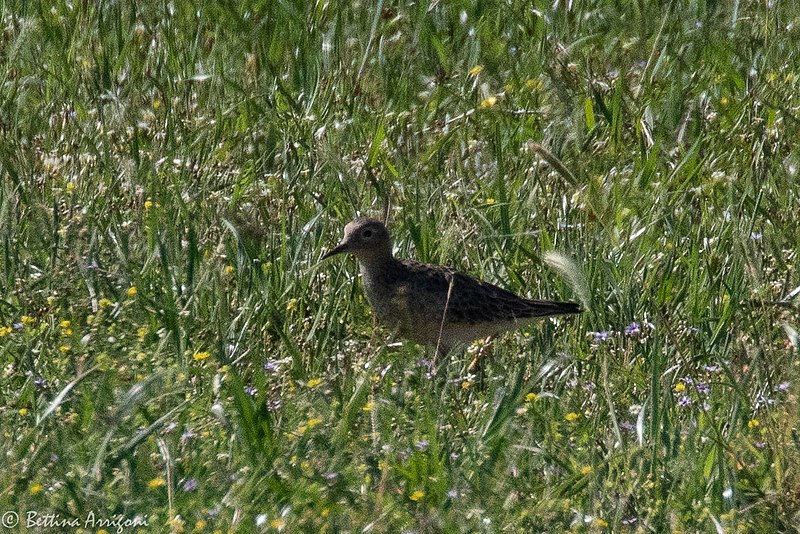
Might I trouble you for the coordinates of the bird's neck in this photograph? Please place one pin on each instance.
(376, 261)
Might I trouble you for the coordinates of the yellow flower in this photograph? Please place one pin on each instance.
(314, 382)
(64, 348)
(278, 523)
(200, 525)
(586, 469)
(417, 496)
(229, 269)
(23, 412)
(141, 332)
(368, 407)
(148, 204)
(291, 305)
(466, 384)
(314, 421)
(530, 397)
(753, 423)
(132, 291)
(680, 387)
(571, 417)
(489, 102)
(70, 186)
(532, 84)
(5, 330)
(27, 320)
(490, 201)
(64, 324)
(156, 103)
(104, 303)
(600, 523)
(36, 488)
(200, 356)
(477, 69)
(156, 483)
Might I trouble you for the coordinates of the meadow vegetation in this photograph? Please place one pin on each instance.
(173, 349)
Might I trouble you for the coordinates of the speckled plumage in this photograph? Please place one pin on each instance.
(434, 305)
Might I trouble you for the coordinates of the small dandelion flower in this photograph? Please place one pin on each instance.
(314, 382)
(477, 69)
(27, 320)
(156, 483)
(490, 201)
(200, 356)
(65, 348)
(417, 496)
(586, 469)
(64, 324)
(368, 407)
(571, 417)
(5, 330)
(530, 397)
(104, 303)
(466, 384)
(23, 412)
(753, 423)
(148, 204)
(132, 291)
(278, 523)
(314, 421)
(680, 387)
(229, 269)
(36, 488)
(600, 523)
(489, 102)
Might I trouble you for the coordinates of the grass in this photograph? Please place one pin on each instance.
(174, 352)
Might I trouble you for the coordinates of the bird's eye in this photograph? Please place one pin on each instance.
(367, 233)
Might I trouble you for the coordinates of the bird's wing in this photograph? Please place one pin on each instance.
(473, 301)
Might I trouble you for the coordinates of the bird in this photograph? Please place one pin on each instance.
(434, 305)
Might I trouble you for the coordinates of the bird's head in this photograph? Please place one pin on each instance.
(364, 238)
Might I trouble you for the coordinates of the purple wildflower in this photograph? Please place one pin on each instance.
(190, 485)
(783, 386)
(250, 390)
(422, 444)
(684, 401)
(703, 388)
(601, 336)
(633, 329)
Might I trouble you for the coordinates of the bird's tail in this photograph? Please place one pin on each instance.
(546, 308)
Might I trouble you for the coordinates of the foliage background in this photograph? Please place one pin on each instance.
(174, 350)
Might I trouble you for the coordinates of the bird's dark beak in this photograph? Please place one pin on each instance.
(338, 250)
